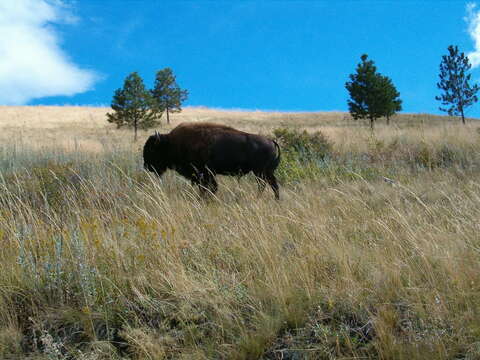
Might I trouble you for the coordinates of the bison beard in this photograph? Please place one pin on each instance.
(202, 150)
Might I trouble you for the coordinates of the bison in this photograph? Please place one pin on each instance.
(199, 151)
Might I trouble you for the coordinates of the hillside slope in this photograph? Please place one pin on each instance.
(372, 251)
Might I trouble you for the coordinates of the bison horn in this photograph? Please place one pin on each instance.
(157, 134)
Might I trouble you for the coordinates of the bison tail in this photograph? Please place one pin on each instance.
(277, 159)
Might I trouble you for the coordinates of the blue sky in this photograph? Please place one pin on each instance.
(270, 55)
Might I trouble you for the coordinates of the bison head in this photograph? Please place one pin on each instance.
(155, 153)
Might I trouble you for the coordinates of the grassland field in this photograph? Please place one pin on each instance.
(373, 251)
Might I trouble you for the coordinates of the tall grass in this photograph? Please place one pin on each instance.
(101, 260)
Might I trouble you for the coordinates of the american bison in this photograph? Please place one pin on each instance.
(199, 151)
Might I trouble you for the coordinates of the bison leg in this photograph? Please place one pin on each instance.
(263, 179)
(208, 183)
(272, 181)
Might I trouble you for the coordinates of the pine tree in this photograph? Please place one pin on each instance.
(167, 94)
(455, 83)
(392, 101)
(133, 106)
(372, 95)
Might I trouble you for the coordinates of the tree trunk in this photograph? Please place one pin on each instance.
(460, 107)
(168, 117)
(371, 123)
(135, 130)
(388, 119)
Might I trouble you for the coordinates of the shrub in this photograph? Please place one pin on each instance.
(445, 156)
(303, 154)
(306, 146)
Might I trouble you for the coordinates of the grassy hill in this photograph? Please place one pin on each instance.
(371, 253)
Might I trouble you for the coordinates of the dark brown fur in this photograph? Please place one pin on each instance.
(199, 151)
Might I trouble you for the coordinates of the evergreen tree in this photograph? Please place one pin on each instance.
(132, 105)
(455, 83)
(392, 100)
(167, 94)
(372, 95)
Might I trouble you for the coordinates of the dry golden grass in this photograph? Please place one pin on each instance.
(71, 127)
(96, 252)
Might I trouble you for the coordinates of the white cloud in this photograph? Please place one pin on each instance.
(473, 21)
(32, 64)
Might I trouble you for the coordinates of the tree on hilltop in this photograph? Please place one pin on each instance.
(132, 106)
(372, 95)
(167, 93)
(458, 94)
(391, 98)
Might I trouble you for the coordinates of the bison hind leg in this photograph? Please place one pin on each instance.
(270, 179)
(208, 183)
